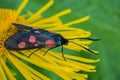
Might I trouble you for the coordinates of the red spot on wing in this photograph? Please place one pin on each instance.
(36, 44)
(22, 44)
(32, 39)
(50, 43)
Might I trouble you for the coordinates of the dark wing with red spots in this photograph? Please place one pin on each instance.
(22, 40)
(34, 38)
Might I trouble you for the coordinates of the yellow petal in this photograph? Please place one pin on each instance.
(21, 7)
(40, 11)
(5, 67)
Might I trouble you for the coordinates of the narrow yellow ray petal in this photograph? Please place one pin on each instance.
(48, 66)
(77, 76)
(47, 22)
(46, 25)
(67, 11)
(35, 72)
(79, 66)
(62, 63)
(74, 64)
(29, 69)
(40, 57)
(34, 76)
(59, 56)
(74, 47)
(78, 48)
(9, 74)
(82, 42)
(29, 14)
(65, 77)
(21, 7)
(74, 34)
(56, 67)
(40, 11)
(82, 59)
(77, 21)
(19, 67)
(2, 73)
(53, 20)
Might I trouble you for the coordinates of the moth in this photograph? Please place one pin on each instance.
(32, 38)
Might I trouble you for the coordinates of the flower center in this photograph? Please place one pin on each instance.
(7, 17)
(3, 38)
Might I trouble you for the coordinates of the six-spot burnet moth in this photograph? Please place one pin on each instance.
(30, 38)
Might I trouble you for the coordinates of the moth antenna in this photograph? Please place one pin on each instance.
(48, 50)
(84, 47)
(63, 53)
(85, 38)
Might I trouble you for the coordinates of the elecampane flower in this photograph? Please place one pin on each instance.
(16, 65)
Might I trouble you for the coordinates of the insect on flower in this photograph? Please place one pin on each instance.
(30, 38)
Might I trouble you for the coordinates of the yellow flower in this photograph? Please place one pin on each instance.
(16, 64)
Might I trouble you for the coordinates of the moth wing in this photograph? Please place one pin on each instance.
(22, 41)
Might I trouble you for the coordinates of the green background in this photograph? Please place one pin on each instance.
(104, 23)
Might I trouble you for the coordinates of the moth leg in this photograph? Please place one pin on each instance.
(48, 50)
(53, 48)
(63, 54)
(34, 52)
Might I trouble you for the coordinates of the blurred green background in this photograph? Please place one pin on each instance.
(104, 23)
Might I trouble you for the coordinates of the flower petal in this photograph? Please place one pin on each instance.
(21, 7)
